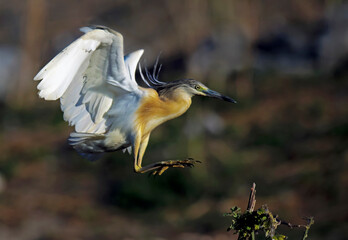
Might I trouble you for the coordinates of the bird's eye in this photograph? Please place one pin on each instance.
(197, 87)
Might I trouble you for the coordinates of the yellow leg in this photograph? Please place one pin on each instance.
(143, 146)
(136, 146)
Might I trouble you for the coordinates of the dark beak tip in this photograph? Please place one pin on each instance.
(211, 93)
(228, 99)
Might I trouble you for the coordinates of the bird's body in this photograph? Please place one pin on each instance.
(101, 98)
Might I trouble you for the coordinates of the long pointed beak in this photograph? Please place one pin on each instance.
(211, 93)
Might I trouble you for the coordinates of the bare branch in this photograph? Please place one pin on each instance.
(252, 198)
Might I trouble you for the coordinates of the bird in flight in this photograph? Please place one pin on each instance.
(99, 95)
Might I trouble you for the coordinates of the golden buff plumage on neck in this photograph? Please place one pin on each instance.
(157, 108)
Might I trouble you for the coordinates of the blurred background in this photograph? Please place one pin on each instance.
(285, 62)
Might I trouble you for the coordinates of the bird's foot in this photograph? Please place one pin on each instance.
(164, 165)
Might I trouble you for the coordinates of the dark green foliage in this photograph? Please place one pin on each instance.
(252, 222)
(245, 224)
(261, 220)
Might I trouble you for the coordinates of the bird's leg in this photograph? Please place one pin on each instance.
(136, 146)
(142, 148)
(159, 167)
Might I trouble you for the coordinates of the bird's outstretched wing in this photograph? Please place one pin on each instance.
(88, 75)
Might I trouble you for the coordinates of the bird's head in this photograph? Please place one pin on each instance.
(183, 87)
(194, 87)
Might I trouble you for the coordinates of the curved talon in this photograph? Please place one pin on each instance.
(163, 166)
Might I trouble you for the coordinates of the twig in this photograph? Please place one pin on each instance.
(252, 199)
(291, 225)
(310, 223)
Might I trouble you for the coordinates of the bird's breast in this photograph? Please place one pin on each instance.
(154, 111)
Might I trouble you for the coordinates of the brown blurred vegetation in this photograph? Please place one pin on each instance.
(285, 62)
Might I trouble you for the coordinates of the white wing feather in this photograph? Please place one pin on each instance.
(131, 60)
(58, 73)
(87, 76)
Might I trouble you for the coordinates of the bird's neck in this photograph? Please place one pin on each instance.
(175, 103)
(178, 96)
(156, 109)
